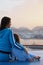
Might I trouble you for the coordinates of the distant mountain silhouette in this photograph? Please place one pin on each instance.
(25, 33)
(37, 28)
(21, 29)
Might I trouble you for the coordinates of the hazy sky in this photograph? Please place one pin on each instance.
(24, 13)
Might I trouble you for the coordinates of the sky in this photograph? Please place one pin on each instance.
(23, 13)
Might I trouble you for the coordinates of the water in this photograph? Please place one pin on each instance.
(32, 41)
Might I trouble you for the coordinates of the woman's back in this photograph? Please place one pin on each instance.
(4, 40)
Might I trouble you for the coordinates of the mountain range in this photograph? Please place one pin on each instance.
(25, 33)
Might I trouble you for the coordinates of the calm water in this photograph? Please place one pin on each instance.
(32, 41)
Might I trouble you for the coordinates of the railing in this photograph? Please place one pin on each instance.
(34, 46)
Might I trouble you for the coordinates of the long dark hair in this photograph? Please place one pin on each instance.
(4, 22)
(16, 38)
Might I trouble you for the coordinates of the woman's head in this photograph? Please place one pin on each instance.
(16, 38)
(5, 22)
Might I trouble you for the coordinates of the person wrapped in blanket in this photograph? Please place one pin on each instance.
(21, 53)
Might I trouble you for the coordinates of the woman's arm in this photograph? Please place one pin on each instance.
(22, 47)
(26, 50)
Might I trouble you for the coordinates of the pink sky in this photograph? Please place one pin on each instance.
(24, 13)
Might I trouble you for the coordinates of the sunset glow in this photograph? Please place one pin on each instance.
(24, 13)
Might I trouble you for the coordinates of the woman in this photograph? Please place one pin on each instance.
(5, 39)
(7, 42)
